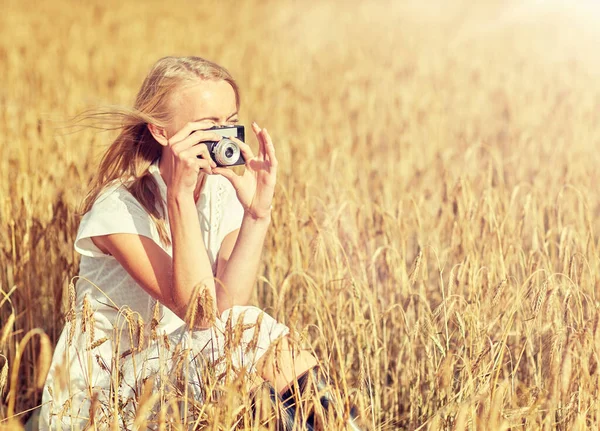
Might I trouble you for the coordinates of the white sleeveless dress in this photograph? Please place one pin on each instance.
(132, 336)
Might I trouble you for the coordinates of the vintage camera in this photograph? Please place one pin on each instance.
(226, 152)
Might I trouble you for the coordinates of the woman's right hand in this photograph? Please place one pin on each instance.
(185, 157)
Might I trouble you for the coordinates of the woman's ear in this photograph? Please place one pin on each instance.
(159, 133)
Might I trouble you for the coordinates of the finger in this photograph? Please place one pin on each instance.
(195, 129)
(199, 151)
(270, 148)
(261, 144)
(229, 174)
(204, 166)
(263, 154)
(194, 138)
(185, 131)
(244, 148)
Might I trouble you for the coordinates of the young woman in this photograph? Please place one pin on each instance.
(163, 228)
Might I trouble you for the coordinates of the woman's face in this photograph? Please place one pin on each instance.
(211, 103)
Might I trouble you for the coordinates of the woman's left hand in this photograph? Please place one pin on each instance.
(255, 188)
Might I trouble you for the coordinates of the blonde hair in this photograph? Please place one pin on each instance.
(130, 155)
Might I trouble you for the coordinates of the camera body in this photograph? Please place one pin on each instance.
(226, 152)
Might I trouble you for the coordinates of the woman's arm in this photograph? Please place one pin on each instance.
(240, 252)
(191, 264)
(152, 269)
(238, 262)
(172, 281)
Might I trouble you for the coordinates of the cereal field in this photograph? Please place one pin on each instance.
(435, 238)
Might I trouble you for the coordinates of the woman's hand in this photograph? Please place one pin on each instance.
(255, 188)
(184, 157)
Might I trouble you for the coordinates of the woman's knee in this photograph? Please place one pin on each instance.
(285, 363)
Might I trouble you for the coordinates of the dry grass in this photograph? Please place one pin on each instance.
(434, 237)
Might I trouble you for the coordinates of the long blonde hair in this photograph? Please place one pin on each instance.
(130, 155)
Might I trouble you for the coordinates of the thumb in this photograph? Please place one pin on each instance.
(229, 174)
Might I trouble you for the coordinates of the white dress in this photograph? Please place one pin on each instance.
(134, 337)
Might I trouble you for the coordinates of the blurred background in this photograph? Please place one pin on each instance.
(435, 235)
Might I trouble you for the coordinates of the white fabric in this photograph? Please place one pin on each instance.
(117, 301)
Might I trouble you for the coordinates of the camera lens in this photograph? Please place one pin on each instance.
(227, 152)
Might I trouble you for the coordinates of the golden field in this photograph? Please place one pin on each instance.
(435, 235)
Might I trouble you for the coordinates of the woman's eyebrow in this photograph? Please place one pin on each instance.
(215, 119)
